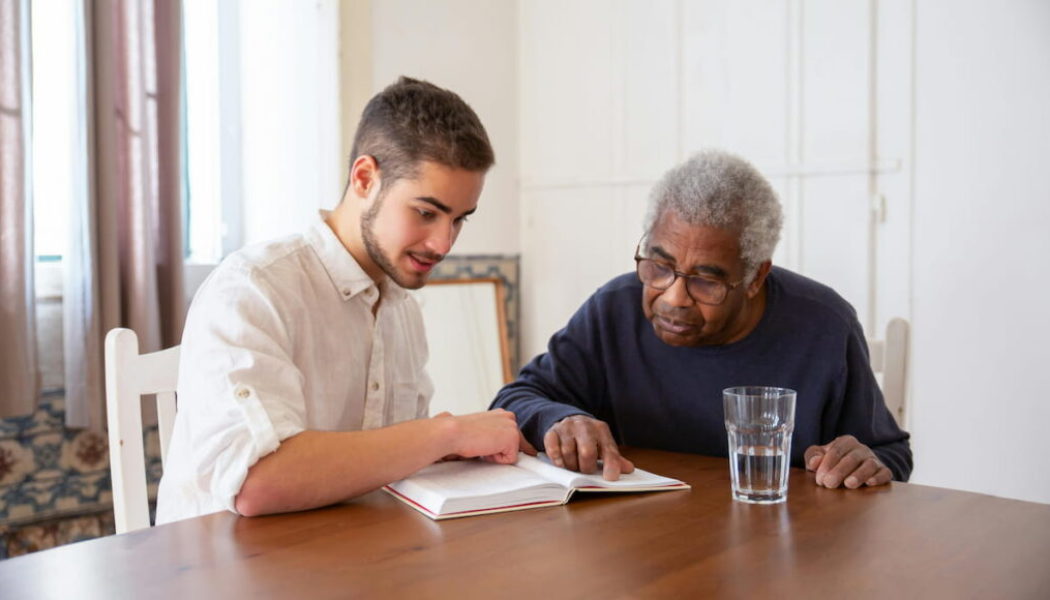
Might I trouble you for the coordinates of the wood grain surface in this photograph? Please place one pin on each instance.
(899, 540)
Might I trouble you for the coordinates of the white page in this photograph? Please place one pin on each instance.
(468, 478)
(456, 486)
(542, 466)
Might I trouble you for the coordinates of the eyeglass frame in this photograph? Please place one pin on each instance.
(729, 287)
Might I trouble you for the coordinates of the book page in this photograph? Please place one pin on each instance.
(639, 479)
(456, 486)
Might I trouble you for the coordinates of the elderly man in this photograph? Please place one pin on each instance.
(644, 361)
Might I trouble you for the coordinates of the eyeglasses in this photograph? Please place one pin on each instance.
(704, 290)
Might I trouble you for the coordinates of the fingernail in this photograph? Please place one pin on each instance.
(871, 481)
(813, 462)
(851, 482)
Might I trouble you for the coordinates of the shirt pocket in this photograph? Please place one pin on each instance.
(409, 402)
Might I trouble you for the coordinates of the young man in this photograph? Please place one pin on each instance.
(301, 379)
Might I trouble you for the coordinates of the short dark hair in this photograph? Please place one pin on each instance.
(413, 121)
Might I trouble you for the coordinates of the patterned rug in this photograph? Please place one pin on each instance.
(54, 481)
(58, 532)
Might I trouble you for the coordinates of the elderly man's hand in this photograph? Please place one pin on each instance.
(578, 442)
(846, 461)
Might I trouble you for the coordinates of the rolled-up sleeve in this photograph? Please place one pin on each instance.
(286, 336)
(239, 395)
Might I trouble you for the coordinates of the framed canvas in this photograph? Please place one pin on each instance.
(466, 330)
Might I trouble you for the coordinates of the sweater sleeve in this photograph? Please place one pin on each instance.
(566, 380)
(864, 412)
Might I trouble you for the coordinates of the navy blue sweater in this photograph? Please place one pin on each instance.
(608, 363)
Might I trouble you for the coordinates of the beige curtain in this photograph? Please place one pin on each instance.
(125, 264)
(19, 379)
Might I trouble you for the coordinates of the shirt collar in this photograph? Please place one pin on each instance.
(343, 269)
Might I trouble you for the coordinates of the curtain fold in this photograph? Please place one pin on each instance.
(125, 266)
(19, 377)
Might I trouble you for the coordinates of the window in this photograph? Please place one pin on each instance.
(57, 125)
(213, 171)
(58, 133)
(200, 79)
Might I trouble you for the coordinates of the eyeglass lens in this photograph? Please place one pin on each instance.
(661, 277)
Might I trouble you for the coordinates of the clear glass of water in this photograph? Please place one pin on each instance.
(759, 422)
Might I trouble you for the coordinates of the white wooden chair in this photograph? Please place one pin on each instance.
(129, 375)
(889, 358)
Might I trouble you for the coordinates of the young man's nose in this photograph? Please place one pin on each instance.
(441, 238)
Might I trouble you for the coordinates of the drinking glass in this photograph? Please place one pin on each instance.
(759, 422)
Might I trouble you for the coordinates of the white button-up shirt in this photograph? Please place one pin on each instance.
(279, 339)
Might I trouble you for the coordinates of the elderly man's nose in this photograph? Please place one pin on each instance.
(677, 294)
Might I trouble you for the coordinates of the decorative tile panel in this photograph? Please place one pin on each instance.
(506, 268)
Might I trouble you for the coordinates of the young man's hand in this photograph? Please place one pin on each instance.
(492, 435)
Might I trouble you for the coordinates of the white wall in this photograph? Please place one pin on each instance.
(598, 122)
(982, 205)
(289, 114)
(469, 47)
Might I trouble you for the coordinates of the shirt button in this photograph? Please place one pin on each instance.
(243, 392)
(346, 293)
(375, 385)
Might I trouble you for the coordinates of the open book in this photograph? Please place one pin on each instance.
(470, 487)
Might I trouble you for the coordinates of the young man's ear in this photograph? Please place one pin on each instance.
(364, 178)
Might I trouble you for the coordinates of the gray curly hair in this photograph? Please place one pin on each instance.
(719, 189)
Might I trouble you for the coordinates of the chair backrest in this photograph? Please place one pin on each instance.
(130, 375)
(889, 358)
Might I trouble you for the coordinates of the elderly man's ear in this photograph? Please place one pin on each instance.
(760, 278)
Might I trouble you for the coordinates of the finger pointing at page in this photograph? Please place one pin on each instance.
(613, 463)
(578, 442)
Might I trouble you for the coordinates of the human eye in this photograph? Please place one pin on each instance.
(655, 272)
(426, 214)
(461, 220)
(706, 289)
(706, 283)
(663, 268)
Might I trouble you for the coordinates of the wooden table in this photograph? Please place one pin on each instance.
(899, 540)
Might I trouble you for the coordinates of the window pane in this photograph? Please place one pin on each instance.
(55, 123)
(200, 31)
